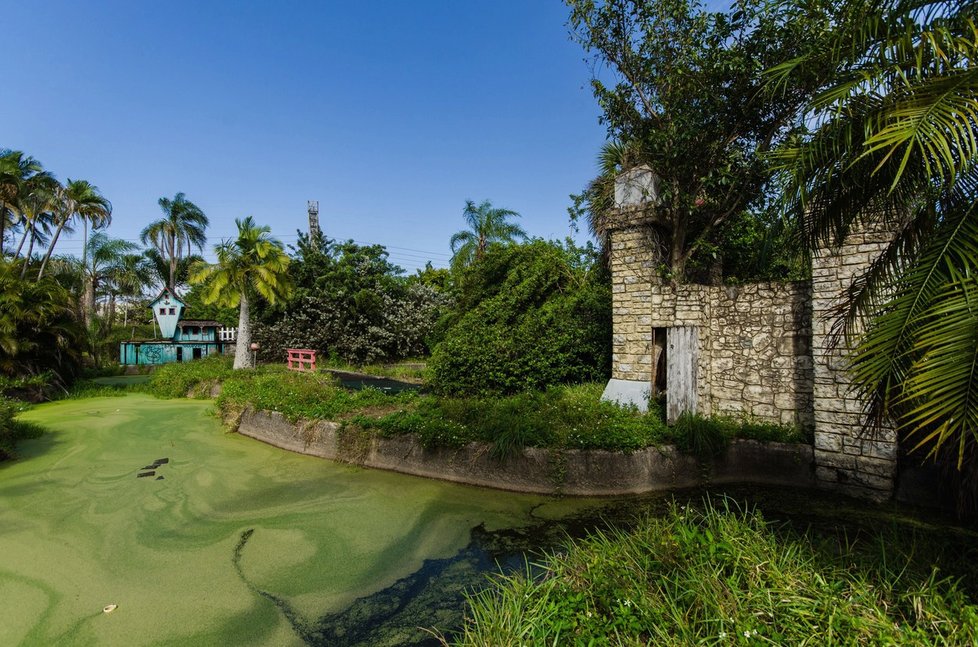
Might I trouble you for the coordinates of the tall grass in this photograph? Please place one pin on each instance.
(300, 395)
(565, 417)
(182, 379)
(720, 575)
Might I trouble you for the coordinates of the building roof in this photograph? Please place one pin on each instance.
(203, 323)
(173, 295)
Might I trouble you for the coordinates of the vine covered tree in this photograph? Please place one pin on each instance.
(251, 266)
(487, 225)
(181, 229)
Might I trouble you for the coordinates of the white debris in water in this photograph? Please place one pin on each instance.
(109, 608)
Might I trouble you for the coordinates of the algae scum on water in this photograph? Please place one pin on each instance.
(225, 540)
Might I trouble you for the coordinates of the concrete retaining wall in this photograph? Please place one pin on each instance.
(571, 472)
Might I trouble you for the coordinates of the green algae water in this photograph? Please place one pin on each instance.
(200, 537)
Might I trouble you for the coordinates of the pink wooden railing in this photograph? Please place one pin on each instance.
(301, 359)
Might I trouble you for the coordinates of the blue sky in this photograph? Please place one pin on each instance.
(391, 114)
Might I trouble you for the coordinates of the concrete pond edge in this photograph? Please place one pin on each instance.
(541, 471)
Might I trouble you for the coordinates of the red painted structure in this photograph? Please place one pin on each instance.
(301, 359)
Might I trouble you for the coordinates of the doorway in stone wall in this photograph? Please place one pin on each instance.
(659, 336)
(682, 358)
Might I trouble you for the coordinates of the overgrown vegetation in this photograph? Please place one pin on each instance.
(351, 304)
(708, 437)
(315, 396)
(528, 317)
(12, 430)
(571, 417)
(561, 417)
(39, 332)
(178, 380)
(720, 575)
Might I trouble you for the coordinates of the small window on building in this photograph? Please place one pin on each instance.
(162, 311)
(173, 311)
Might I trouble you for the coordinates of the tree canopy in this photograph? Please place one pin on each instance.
(682, 90)
(892, 144)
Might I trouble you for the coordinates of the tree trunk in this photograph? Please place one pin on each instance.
(88, 302)
(677, 256)
(23, 239)
(85, 244)
(242, 348)
(173, 265)
(54, 241)
(111, 310)
(27, 259)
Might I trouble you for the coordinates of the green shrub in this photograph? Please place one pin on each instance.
(11, 429)
(722, 576)
(529, 317)
(298, 395)
(177, 380)
(569, 417)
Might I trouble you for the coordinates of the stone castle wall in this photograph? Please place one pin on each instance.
(754, 353)
(847, 458)
(765, 350)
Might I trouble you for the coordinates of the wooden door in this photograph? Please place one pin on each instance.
(682, 357)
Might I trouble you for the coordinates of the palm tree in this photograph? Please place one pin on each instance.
(179, 231)
(253, 265)
(36, 204)
(104, 258)
(77, 198)
(893, 143)
(15, 170)
(160, 267)
(128, 280)
(487, 225)
(38, 328)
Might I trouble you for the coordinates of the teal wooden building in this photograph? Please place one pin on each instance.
(181, 340)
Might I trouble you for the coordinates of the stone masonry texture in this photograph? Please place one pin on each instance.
(766, 350)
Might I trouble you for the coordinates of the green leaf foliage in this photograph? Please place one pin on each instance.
(716, 574)
(351, 304)
(529, 316)
(39, 331)
(681, 90)
(891, 145)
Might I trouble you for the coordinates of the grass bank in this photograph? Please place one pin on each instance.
(13, 430)
(720, 575)
(566, 417)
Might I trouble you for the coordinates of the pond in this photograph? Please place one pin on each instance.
(226, 540)
(200, 537)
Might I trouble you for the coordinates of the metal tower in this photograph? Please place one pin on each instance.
(313, 207)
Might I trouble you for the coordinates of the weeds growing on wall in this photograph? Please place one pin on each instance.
(561, 417)
(720, 575)
(708, 437)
